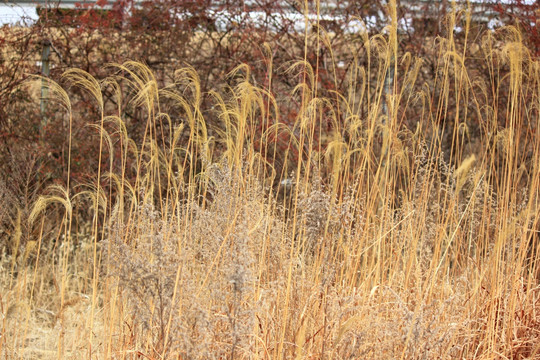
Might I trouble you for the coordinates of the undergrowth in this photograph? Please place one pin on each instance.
(360, 238)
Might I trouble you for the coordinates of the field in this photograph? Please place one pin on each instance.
(396, 219)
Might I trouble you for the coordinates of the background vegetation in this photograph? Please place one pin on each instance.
(248, 191)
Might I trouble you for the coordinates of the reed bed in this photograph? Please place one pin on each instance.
(351, 233)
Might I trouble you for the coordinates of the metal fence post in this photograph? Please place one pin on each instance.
(45, 72)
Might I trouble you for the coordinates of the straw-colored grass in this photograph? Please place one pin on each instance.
(206, 240)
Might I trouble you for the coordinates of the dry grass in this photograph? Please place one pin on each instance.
(367, 242)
